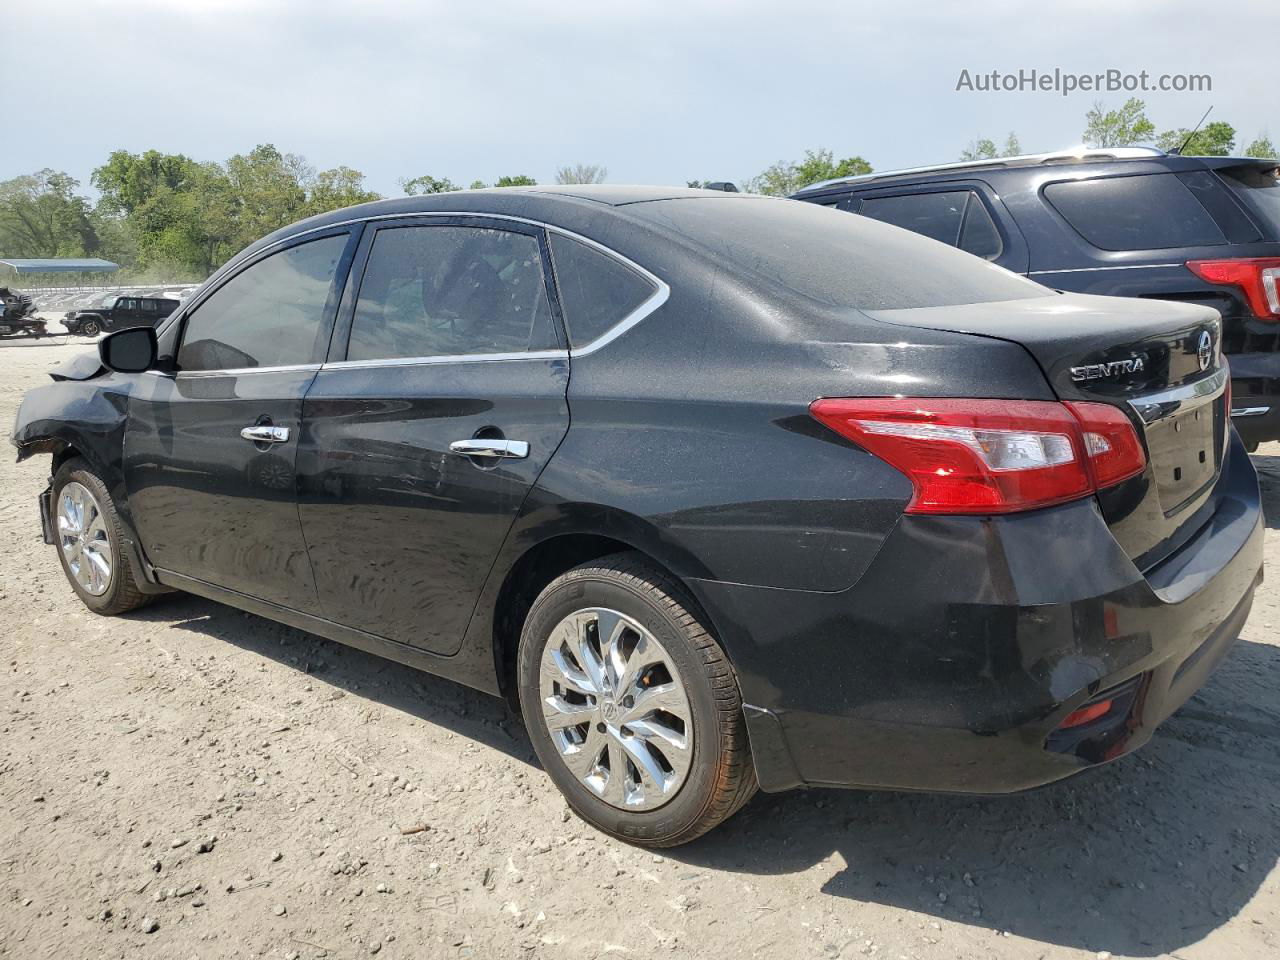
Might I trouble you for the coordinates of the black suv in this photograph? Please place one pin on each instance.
(117, 313)
(1129, 221)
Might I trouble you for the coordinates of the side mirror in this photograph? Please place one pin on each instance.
(129, 351)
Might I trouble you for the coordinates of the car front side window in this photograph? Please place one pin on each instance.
(435, 291)
(268, 315)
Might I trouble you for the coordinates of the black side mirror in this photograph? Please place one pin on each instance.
(129, 351)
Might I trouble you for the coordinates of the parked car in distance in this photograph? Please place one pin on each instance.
(1131, 221)
(717, 490)
(118, 313)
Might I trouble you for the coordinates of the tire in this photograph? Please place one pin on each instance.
(685, 691)
(110, 593)
(90, 328)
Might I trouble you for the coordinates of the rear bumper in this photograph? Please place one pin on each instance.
(950, 665)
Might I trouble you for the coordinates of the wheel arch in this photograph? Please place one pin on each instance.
(536, 562)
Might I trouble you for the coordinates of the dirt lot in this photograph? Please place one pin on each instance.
(247, 790)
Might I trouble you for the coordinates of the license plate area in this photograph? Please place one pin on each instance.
(1186, 451)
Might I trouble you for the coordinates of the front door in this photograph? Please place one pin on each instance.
(210, 447)
(423, 436)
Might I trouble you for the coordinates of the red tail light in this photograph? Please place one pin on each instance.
(990, 456)
(1086, 715)
(1258, 278)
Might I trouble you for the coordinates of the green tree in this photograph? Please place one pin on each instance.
(786, 177)
(268, 190)
(127, 180)
(478, 185)
(1216, 139)
(985, 149)
(427, 184)
(337, 188)
(520, 180)
(42, 216)
(1118, 128)
(1262, 148)
(582, 173)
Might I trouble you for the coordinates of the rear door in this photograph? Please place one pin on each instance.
(210, 447)
(443, 399)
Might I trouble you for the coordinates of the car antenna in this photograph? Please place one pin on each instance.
(1185, 142)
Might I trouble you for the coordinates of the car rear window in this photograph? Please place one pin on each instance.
(836, 259)
(1148, 212)
(1259, 188)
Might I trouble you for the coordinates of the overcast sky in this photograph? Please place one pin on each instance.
(657, 92)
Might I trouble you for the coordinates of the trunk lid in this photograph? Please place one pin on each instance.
(1160, 362)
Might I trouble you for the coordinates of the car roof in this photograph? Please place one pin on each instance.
(1104, 161)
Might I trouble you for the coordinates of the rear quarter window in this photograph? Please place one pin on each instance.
(1147, 212)
(597, 292)
(1259, 188)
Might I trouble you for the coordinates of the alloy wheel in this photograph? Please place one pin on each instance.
(616, 708)
(83, 538)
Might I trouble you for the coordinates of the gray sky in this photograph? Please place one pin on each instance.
(659, 92)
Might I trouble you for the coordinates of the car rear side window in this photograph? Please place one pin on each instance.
(1259, 188)
(437, 291)
(1148, 212)
(268, 315)
(958, 218)
(597, 291)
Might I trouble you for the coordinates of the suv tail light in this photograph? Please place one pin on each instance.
(1258, 278)
(990, 456)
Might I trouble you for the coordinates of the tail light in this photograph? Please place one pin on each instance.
(990, 456)
(1258, 278)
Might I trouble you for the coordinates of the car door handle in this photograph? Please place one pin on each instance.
(490, 448)
(265, 433)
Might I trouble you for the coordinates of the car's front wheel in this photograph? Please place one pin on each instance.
(90, 328)
(632, 705)
(89, 541)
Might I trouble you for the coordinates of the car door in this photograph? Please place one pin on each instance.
(210, 443)
(444, 398)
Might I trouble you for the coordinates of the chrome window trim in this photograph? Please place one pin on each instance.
(1127, 266)
(1179, 399)
(660, 294)
(444, 358)
(243, 371)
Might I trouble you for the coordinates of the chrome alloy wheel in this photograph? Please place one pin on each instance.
(83, 538)
(616, 708)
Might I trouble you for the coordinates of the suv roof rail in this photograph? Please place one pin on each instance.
(1079, 154)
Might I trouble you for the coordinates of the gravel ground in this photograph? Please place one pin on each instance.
(191, 781)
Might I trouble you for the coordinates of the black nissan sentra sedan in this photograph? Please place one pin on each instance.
(722, 491)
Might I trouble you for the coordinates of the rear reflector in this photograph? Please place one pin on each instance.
(990, 456)
(1085, 715)
(1257, 277)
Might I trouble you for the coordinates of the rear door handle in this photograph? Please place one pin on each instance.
(265, 433)
(490, 448)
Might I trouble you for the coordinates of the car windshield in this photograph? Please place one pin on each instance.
(837, 258)
(1259, 188)
(109, 300)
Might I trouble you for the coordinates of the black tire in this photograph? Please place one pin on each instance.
(89, 328)
(122, 593)
(721, 777)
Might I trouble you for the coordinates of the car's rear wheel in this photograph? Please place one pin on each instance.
(632, 705)
(90, 549)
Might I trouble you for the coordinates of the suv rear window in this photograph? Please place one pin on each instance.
(1259, 188)
(835, 259)
(1148, 212)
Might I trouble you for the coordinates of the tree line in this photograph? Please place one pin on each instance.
(167, 217)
